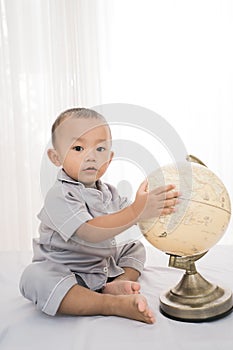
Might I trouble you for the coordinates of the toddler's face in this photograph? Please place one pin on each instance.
(85, 149)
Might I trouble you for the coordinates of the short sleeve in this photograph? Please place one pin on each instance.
(64, 210)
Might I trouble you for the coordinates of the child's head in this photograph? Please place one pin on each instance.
(81, 139)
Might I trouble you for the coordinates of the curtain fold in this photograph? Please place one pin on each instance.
(48, 62)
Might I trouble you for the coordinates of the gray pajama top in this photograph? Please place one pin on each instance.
(67, 206)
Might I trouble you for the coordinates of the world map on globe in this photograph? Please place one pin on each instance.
(202, 216)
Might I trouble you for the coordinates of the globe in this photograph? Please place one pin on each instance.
(201, 217)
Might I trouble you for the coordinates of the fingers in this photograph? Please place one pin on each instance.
(167, 198)
(159, 201)
(163, 189)
(170, 202)
(167, 211)
(173, 194)
(165, 192)
(164, 197)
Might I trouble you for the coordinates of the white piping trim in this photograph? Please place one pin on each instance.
(51, 294)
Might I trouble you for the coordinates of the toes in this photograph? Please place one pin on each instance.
(141, 305)
(136, 287)
(145, 311)
(149, 316)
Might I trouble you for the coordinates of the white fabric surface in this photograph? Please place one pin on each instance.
(23, 327)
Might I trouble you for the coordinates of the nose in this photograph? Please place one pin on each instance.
(91, 155)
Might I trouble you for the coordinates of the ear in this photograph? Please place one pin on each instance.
(54, 157)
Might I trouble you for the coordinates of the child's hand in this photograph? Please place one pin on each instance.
(160, 201)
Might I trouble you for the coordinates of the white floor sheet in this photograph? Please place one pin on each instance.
(22, 327)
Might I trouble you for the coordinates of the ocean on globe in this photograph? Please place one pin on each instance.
(201, 217)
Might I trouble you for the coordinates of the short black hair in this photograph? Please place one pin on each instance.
(78, 112)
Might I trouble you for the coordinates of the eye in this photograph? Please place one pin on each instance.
(78, 148)
(101, 149)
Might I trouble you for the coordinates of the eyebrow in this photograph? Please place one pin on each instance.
(81, 139)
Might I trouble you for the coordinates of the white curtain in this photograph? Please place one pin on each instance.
(49, 61)
(174, 57)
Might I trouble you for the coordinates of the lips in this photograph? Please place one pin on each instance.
(90, 168)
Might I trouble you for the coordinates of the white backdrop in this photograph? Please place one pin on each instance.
(174, 57)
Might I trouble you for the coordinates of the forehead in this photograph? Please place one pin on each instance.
(73, 129)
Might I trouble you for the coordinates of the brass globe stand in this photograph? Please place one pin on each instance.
(194, 299)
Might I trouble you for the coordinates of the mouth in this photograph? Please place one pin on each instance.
(90, 169)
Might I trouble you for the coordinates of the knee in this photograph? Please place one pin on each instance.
(45, 283)
(27, 282)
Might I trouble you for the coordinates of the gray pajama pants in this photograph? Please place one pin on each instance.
(46, 283)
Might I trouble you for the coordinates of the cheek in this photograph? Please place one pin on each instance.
(71, 162)
(103, 167)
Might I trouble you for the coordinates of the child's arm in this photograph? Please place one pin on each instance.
(160, 201)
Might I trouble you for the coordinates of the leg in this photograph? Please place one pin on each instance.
(131, 257)
(81, 301)
(124, 284)
(46, 283)
(130, 274)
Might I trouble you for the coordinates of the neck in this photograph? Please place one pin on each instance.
(91, 185)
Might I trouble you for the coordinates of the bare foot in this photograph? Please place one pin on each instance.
(130, 306)
(121, 287)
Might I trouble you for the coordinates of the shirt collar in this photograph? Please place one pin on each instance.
(62, 176)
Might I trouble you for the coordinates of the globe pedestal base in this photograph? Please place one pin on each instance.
(194, 299)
